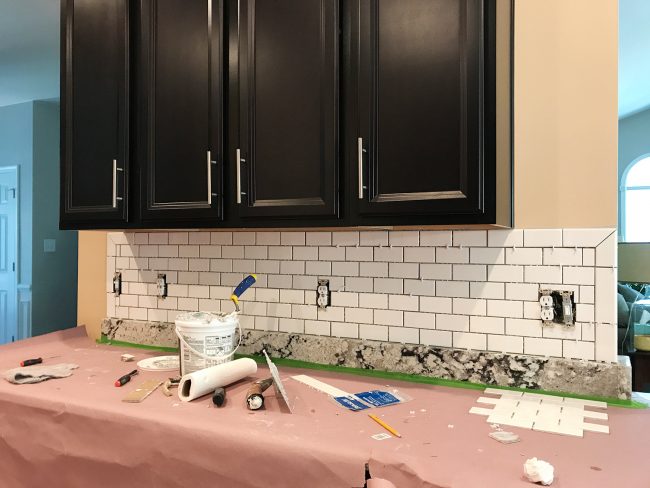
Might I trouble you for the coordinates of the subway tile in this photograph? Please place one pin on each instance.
(243, 265)
(420, 255)
(234, 252)
(452, 255)
(318, 268)
(332, 314)
(588, 257)
(243, 238)
(404, 335)
(585, 237)
(292, 296)
(487, 255)
(607, 252)
(212, 251)
(304, 312)
(373, 300)
(543, 274)
(377, 270)
(188, 251)
(403, 270)
(558, 331)
(117, 237)
(542, 347)
(177, 290)
(210, 279)
(606, 340)
(318, 238)
(256, 252)
(345, 269)
(137, 288)
(198, 238)
(532, 310)
(221, 265)
(374, 238)
(505, 308)
(403, 302)
(178, 264)
(490, 325)
(578, 276)
(373, 332)
(523, 256)
(437, 238)
(188, 304)
(317, 327)
(358, 253)
(127, 300)
(283, 253)
(363, 285)
(268, 295)
(388, 317)
(247, 322)
(470, 238)
(143, 251)
(522, 291)
(268, 266)
(231, 279)
(469, 272)
(459, 289)
(467, 340)
(506, 238)
(505, 273)
(156, 315)
(586, 294)
(141, 238)
(345, 238)
(178, 238)
(282, 310)
(267, 238)
(507, 344)
(280, 281)
(420, 319)
(389, 254)
(543, 237)
(292, 267)
(420, 287)
(469, 306)
(404, 238)
(344, 299)
(296, 326)
(267, 323)
(292, 238)
(198, 291)
(331, 253)
(138, 313)
(386, 285)
(452, 322)
(436, 338)
(436, 304)
(359, 315)
(158, 238)
(579, 350)
(563, 256)
(254, 308)
(309, 283)
(436, 271)
(341, 329)
(588, 331)
(220, 238)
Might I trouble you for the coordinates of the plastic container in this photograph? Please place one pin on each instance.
(206, 339)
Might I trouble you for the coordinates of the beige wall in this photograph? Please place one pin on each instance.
(91, 305)
(565, 129)
(566, 113)
(634, 262)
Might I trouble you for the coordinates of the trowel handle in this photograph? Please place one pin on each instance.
(241, 288)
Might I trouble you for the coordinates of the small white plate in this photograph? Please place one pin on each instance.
(160, 363)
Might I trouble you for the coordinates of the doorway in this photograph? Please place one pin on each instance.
(8, 253)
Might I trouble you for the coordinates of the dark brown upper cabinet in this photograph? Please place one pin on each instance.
(421, 140)
(94, 112)
(284, 112)
(179, 110)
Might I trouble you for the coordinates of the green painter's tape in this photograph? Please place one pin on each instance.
(413, 378)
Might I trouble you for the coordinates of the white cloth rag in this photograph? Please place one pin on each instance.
(36, 374)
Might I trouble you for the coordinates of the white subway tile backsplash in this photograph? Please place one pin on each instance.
(465, 288)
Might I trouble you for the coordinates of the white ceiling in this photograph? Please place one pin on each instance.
(634, 57)
(29, 50)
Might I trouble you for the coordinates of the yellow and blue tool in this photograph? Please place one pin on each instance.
(241, 288)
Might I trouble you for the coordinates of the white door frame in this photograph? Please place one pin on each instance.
(15, 169)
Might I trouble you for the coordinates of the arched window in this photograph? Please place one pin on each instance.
(636, 202)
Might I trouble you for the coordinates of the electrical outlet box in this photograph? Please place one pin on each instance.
(117, 284)
(557, 307)
(323, 294)
(161, 283)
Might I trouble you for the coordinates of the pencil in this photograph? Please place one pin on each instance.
(384, 425)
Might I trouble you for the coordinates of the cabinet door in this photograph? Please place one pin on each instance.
(179, 131)
(94, 111)
(418, 145)
(286, 152)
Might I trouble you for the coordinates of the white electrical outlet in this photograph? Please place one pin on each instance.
(323, 293)
(546, 301)
(547, 313)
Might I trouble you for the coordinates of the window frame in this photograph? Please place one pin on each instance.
(623, 189)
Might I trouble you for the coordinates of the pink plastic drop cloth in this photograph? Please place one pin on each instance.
(76, 432)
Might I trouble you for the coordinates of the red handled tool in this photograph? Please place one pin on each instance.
(31, 362)
(126, 378)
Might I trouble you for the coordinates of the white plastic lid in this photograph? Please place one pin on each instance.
(205, 319)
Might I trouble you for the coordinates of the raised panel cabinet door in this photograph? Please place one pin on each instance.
(179, 130)
(286, 154)
(94, 111)
(418, 149)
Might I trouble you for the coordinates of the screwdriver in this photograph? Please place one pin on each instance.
(126, 378)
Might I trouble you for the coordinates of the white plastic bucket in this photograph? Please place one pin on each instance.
(206, 339)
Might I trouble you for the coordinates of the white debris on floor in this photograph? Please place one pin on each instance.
(544, 413)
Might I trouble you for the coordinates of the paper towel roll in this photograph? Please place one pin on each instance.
(204, 381)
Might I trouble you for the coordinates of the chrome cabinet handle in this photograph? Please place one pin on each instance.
(210, 162)
(115, 170)
(240, 160)
(360, 151)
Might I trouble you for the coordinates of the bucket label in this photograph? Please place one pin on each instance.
(211, 346)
